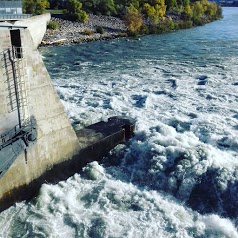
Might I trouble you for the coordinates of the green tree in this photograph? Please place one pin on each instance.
(100, 7)
(154, 13)
(74, 11)
(171, 4)
(57, 4)
(198, 10)
(107, 7)
(150, 13)
(160, 8)
(28, 6)
(35, 7)
(187, 12)
(171, 24)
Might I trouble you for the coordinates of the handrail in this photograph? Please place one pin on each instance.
(13, 27)
(14, 16)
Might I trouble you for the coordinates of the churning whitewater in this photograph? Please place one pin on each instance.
(178, 176)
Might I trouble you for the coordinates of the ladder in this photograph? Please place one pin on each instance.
(17, 86)
(16, 82)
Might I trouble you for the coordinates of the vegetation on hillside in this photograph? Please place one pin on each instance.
(35, 7)
(74, 11)
(141, 16)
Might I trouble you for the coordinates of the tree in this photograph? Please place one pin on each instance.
(57, 4)
(35, 7)
(150, 13)
(171, 4)
(187, 12)
(133, 20)
(28, 6)
(171, 24)
(107, 7)
(198, 10)
(73, 9)
(160, 8)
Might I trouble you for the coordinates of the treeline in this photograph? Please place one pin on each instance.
(141, 16)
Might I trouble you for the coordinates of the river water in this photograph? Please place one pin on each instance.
(178, 176)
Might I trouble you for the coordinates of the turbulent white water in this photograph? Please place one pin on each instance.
(178, 176)
(96, 204)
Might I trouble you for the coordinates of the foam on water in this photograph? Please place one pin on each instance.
(178, 176)
(97, 205)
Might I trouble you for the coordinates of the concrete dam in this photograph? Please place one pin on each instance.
(37, 141)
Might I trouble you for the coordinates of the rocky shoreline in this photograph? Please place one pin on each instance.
(75, 32)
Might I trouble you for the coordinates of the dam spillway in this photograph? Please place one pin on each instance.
(37, 141)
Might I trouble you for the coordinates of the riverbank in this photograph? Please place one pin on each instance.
(70, 32)
(107, 27)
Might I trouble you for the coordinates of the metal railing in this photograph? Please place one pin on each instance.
(14, 16)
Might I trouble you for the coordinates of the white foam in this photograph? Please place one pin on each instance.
(176, 143)
(106, 207)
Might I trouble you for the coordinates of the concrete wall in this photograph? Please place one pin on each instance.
(37, 27)
(6, 119)
(56, 139)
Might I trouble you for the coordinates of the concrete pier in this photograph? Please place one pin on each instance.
(37, 141)
(95, 140)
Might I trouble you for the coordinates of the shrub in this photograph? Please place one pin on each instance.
(88, 32)
(184, 24)
(161, 28)
(199, 21)
(80, 16)
(144, 29)
(122, 34)
(170, 24)
(153, 29)
(52, 25)
(100, 30)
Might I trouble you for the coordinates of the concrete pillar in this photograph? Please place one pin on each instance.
(56, 140)
(37, 27)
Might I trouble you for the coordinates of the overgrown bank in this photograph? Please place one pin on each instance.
(137, 17)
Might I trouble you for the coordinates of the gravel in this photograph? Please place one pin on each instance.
(71, 32)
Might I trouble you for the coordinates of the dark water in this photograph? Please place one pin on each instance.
(178, 176)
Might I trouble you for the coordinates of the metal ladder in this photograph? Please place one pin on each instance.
(17, 86)
(16, 81)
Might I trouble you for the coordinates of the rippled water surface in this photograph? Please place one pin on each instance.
(178, 176)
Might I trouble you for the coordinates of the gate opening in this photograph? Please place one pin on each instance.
(16, 42)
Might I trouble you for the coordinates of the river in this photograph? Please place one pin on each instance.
(178, 176)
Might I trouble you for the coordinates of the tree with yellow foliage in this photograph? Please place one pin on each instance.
(187, 12)
(133, 20)
(150, 13)
(156, 12)
(198, 10)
